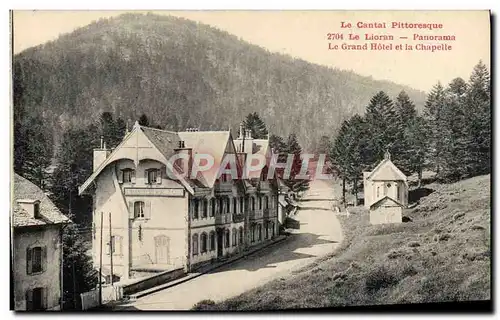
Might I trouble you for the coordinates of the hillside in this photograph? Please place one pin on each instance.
(442, 255)
(184, 74)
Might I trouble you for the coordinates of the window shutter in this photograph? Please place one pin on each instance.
(44, 258)
(131, 209)
(132, 176)
(147, 210)
(120, 176)
(158, 176)
(44, 297)
(120, 245)
(29, 262)
(29, 299)
(145, 176)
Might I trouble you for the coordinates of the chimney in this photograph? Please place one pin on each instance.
(242, 130)
(248, 142)
(387, 155)
(32, 207)
(100, 154)
(180, 163)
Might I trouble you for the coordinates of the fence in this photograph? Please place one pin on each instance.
(109, 293)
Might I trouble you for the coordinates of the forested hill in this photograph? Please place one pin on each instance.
(184, 74)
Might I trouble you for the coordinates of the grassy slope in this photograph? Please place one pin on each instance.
(443, 255)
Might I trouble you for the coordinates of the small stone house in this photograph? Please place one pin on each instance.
(36, 250)
(385, 192)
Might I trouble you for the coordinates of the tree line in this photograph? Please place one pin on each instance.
(452, 137)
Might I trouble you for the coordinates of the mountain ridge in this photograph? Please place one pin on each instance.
(186, 74)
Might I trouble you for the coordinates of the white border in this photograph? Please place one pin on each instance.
(193, 5)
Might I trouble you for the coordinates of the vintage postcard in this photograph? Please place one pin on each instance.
(251, 160)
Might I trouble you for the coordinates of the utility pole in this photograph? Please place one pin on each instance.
(111, 248)
(74, 285)
(100, 265)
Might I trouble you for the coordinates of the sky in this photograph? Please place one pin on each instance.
(303, 34)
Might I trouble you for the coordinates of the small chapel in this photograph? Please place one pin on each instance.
(385, 192)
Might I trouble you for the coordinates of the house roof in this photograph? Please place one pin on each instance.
(386, 171)
(28, 192)
(213, 143)
(164, 141)
(388, 198)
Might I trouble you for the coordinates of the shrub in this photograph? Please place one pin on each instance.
(206, 304)
(379, 278)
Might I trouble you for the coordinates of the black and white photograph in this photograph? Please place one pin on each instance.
(266, 160)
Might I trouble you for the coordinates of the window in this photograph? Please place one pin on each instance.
(196, 208)
(111, 246)
(259, 230)
(227, 239)
(36, 259)
(205, 208)
(260, 202)
(266, 202)
(115, 246)
(221, 205)
(252, 231)
(228, 204)
(203, 240)
(235, 237)
(253, 203)
(212, 240)
(35, 299)
(139, 209)
(127, 175)
(235, 205)
(36, 209)
(267, 230)
(195, 244)
(378, 192)
(212, 207)
(153, 176)
(272, 229)
(241, 235)
(398, 193)
(241, 204)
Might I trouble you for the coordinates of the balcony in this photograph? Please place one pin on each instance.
(264, 186)
(223, 187)
(238, 217)
(265, 213)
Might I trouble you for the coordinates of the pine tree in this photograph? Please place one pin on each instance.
(403, 150)
(415, 133)
(33, 149)
(433, 115)
(456, 159)
(478, 101)
(254, 123)
(382, 127)
(350, 152)
(293, 182)
(74, 166)
(79, 274)
(112, 130)
(143, 120)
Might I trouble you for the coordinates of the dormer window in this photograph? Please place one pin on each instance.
(153, 176)
(36, 209)
(127, 176)
(32, 207)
